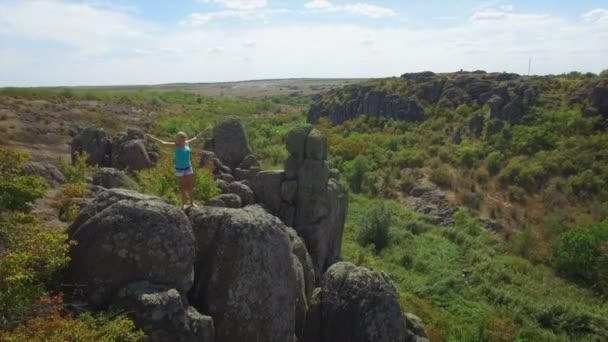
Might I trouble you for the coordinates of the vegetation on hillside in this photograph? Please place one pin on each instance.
(542, 278)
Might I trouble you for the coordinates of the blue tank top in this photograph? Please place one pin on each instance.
(182, 157)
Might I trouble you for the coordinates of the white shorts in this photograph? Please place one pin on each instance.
(184, 172)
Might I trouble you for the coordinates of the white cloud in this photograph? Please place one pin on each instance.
(318, 4)
(199, 19)
(598, 15)
(372, 11)
(72, 44)
(240, 4)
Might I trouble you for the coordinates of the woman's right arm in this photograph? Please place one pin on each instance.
(162, 142)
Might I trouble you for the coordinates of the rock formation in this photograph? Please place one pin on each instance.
(130, 239)
(246, 274)
(125, 151)
(355, 304)
(44, 170)
(307, 196)
(108, 177)
(235, 270)
(407, 98)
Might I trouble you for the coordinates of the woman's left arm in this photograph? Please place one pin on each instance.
(198, 135)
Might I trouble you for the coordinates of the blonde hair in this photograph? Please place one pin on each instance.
(182, 135)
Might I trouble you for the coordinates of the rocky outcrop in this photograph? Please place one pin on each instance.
(305, 197)
(229, 143)
(108, 177)
(245, 274)
(355, 304)
(44, 170)
(125, 151)
(123, 238)
(162, 313)
(407, 98)
(96, 144)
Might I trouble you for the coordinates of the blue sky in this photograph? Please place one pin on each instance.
(100, 42)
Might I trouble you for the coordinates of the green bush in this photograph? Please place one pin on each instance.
(16, 190)
(34, 254)
(441, 176)
(160, 181)
(494, 161)
(577, 254)
(79, 171)
(463, 221)
(375, 227)
(355, 172)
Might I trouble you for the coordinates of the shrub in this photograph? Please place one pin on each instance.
(55, 327)
(355, 172)
(577, 254)
(468, 154)
(79, 171)
(17, 191)
(516, 193)
(33, 256)
(375, 227)
(585, 184)
(441, 176)
(160, 181)
(465, 222)
(494, 161)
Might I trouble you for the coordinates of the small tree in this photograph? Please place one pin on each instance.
(375, 227)
(577, 254)
(356, 172)
(604, 73)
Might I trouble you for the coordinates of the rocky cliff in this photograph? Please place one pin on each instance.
(414, 96)
(235, 270)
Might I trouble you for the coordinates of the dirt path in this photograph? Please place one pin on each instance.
(45, 209)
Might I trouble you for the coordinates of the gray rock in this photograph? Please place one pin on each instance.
(243, 191)
(267, 189)
(296, 140)
(230, 142)
(248, 162)
(599, 99)
(289, 190)
(108, 177)
(355, 304)
(416, 328)
(216, 202)
(133, 156)
(316, 145)
(246, 174)
(513, 111)
(44, 170)
(334, 174)
(162, 313)
(223, 186)
(495, 103)
(129, 241)
(104, 199)
(95, 143)
(226, 177)
(229, 200)
(305, 277)
(245, 276)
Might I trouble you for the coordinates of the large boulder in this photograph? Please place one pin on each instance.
(162, 313)
(95, 143)
(108, 177)
(133, 156)
(355, 304)
(44, 170)
(130, 240)
(245, 275)
(229, 142)
(243, 191)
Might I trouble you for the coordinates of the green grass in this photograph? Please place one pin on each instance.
(461, 284)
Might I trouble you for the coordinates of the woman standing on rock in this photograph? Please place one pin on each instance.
(183, 165)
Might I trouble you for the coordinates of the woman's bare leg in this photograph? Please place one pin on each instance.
(181, 183)
(189, 179)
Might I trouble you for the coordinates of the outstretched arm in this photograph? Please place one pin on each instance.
(162, 142)
(204, 132)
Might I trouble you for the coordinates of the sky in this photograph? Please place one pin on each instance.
(114, 42)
